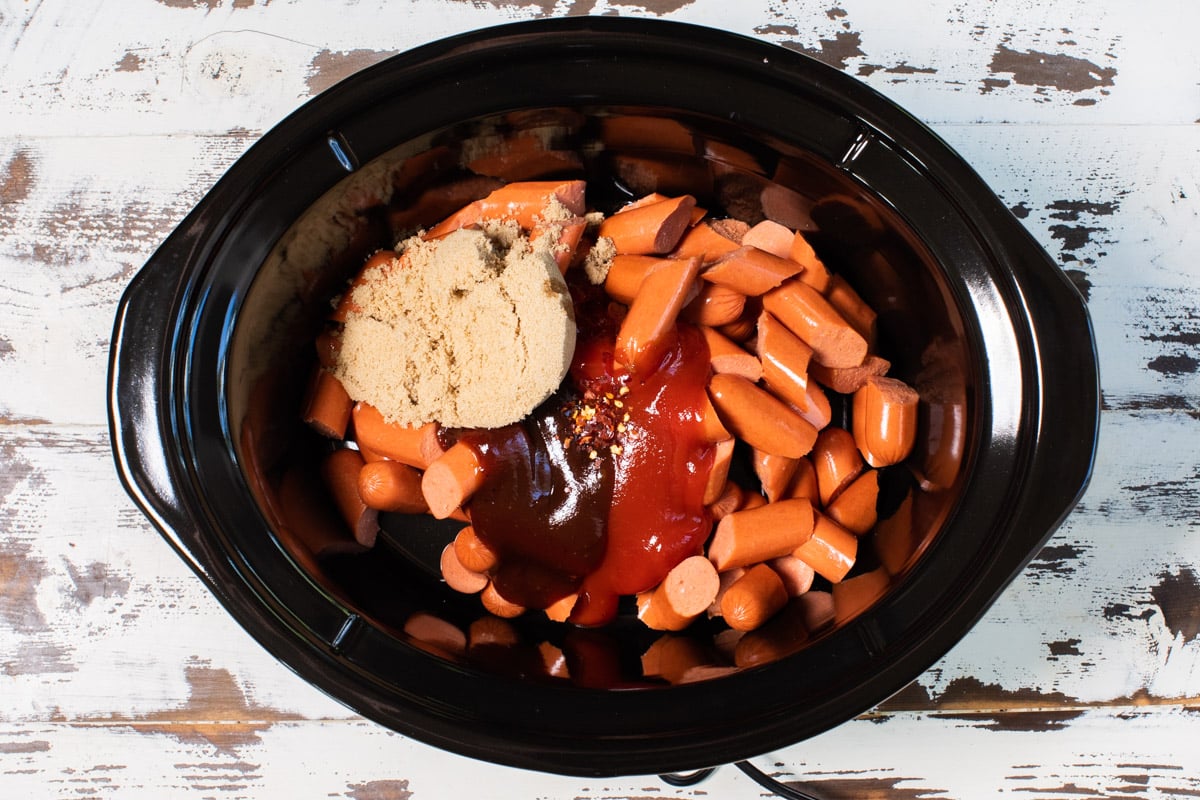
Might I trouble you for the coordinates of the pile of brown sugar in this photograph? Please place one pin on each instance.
(474, 330)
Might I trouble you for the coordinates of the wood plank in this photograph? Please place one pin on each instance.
(906, 755)
(208, 67)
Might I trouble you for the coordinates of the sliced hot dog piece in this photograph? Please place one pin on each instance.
(852, 307)
(472, 552)
(809, 315)
(785, 360)
(496, 603)
(896, 537)
(523, 201)
(718, 475)
(753, 598)
(831, 550)
(760, 419)
(770, 237)
(750, 271)
(836, 460)
(672, 657)
(689, 589)
(340, 472)
(568, 233)
(714, 305)
(457, 576)
(885, 420)
(652, 228)
(797, 576)
(726, 356)
(560, 609)
(855, 508)
(815, 274)
(759, 534)
(804, 482)
(391, 486)
(435, 633)
(819, 412)
(626, 274)
(416, 446)
(849, 380)
(643, 336)
(729, 501)
(775, 473)
(714, 430)
(707, 241)
(328, 406)
(451, 480)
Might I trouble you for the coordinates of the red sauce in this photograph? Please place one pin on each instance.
(657, 517)
(601, 489)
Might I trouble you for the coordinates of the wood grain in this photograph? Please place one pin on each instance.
(121, 677)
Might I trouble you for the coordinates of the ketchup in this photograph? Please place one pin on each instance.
(600, 490)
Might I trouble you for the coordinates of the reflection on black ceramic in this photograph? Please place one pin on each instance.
(214, 342)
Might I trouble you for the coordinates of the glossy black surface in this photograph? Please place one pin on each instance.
(212, 341)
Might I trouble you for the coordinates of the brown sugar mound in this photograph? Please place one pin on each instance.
(474, 330)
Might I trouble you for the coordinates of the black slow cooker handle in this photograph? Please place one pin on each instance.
(1068, 418)
(139, 377)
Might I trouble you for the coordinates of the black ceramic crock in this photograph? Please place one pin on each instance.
(971, 311)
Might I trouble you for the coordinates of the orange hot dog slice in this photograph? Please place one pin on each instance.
(885, 420)
(775, 473)
(719, 474)
(707, 241)
(751, 271)
(771, 237)
(497, 604)
(523, 201)
(854, 595)
(850, 379)
(626, 274)
(760, 419)
(836, 461)
(855, 508)
(831, 550)
(815, 274)
(753, 598)
(457, 576)
(796, 575)
(759, 534)
(854, 309)
(391, 486)
(714, 305)
(686, 592)
(328, 408)
(340, 472)
(451, 480)
(416, 446)
(725, 356)
(472, 552)
(785, 360)
(642, 337)
(654, 228)
(807, 314)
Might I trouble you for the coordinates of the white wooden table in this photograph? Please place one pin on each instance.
(120, 677)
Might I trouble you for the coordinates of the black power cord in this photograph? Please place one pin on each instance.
(754, 773)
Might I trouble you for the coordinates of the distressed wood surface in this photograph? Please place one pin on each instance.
(121, 677)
